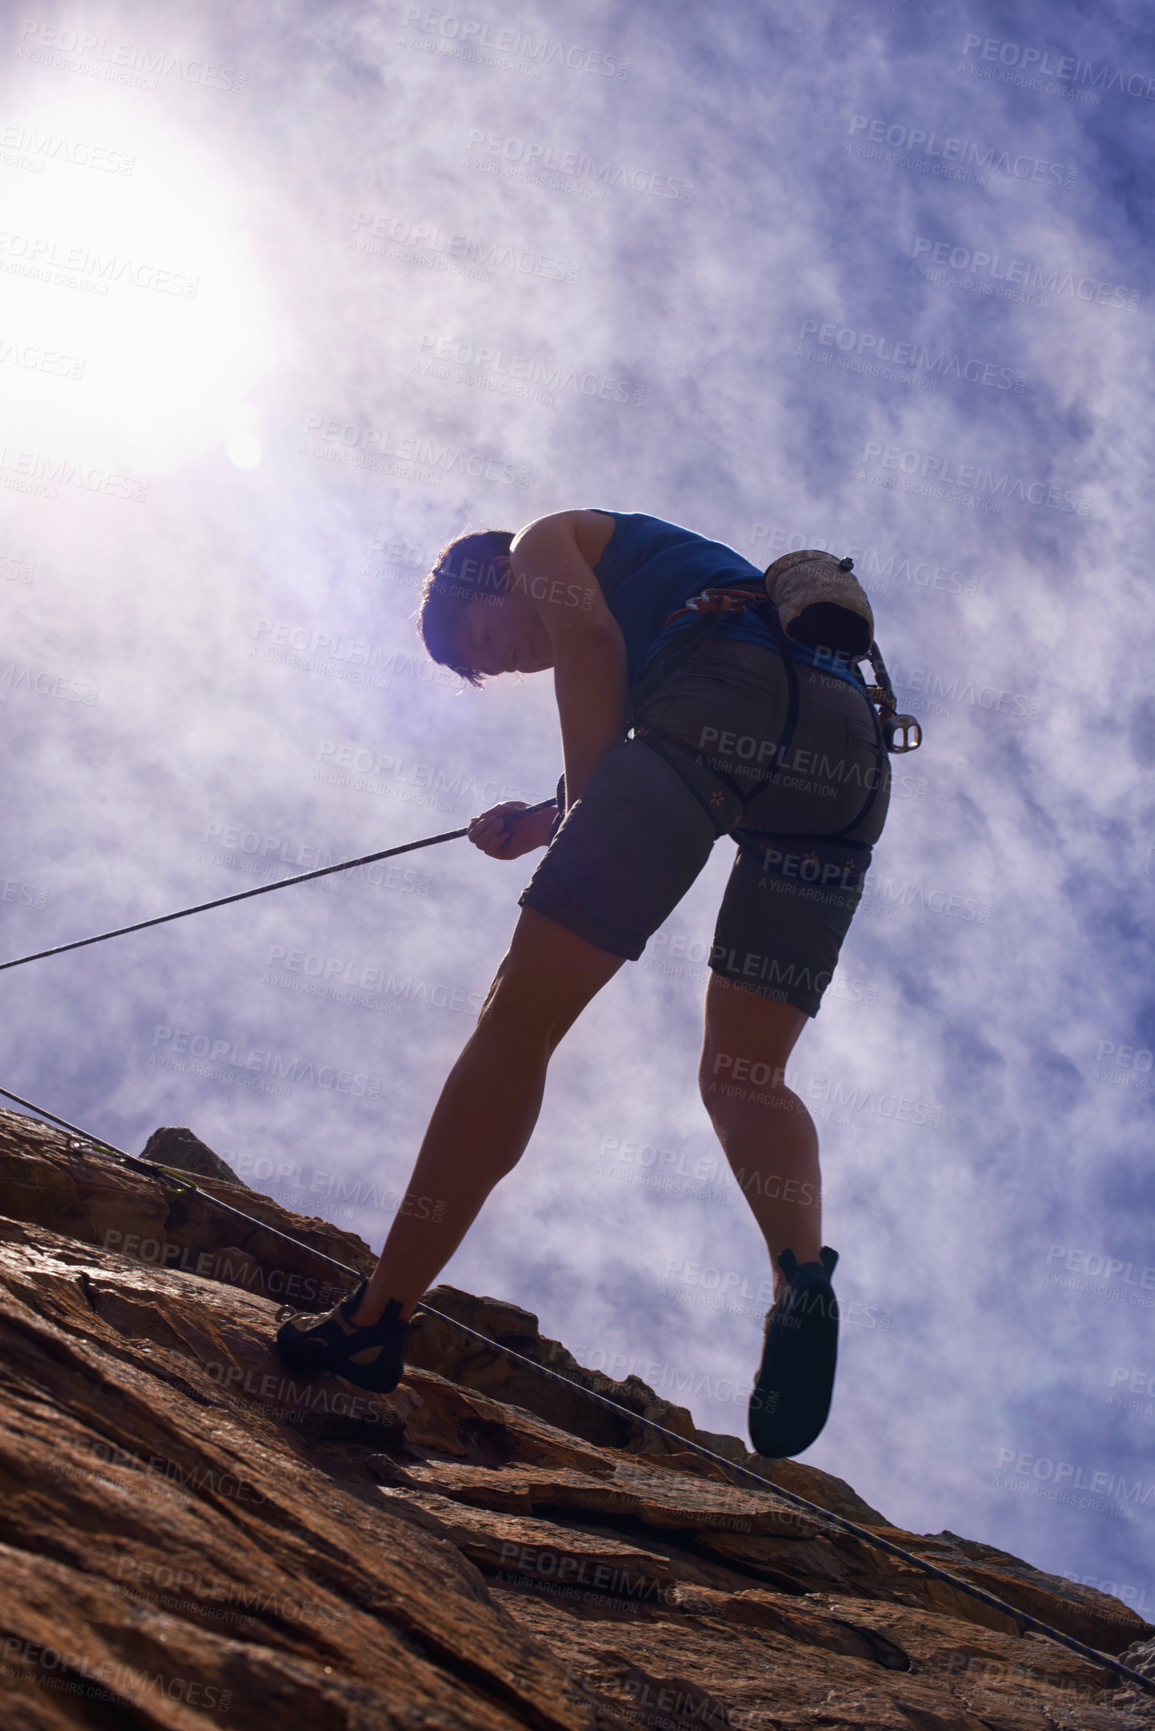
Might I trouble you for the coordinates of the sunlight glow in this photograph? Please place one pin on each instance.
(146, 292)
(243, 450)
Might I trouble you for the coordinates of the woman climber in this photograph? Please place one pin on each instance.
(680, 723)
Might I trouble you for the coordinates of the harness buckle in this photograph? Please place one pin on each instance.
(893, 725)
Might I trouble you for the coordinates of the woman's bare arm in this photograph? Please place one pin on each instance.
(589, 651)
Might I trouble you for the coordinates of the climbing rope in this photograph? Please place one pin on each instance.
(89, 1143)
(261, 890)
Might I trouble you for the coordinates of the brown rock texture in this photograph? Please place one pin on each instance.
(189, 1537)
(180, 1148)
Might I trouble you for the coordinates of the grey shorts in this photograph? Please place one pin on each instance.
(708, 758)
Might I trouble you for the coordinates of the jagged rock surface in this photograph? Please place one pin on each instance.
(181, 1148)
(191, 1538)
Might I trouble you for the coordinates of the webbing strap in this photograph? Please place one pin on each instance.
(864, 1534)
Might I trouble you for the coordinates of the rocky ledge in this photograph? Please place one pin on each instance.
(189, 1538)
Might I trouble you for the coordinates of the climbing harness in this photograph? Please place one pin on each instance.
(894, 733)
(830, 590)
(86, 1144)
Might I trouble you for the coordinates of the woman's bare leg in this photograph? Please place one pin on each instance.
(489, 1105)
(766, 1132)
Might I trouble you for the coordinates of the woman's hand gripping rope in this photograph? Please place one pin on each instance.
(503, 832)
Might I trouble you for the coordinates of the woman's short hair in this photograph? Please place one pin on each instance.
(468, 569)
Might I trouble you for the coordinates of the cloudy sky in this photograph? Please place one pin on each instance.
(286, 306)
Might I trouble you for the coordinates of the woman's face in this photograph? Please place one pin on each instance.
(503, 634)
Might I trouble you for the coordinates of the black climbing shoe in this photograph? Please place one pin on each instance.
(373, 1357)
(791, 1397)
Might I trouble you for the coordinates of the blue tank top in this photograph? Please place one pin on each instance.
(650, 568)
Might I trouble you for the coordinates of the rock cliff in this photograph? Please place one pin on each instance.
(191, 1538)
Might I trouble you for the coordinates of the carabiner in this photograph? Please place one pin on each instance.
(911, 732)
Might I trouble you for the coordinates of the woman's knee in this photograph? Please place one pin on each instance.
(746, 1031)
(518, 999)
(728, 1077)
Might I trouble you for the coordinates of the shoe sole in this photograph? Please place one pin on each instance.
(791, 1399)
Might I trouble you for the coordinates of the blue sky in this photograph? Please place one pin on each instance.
(287, 305)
